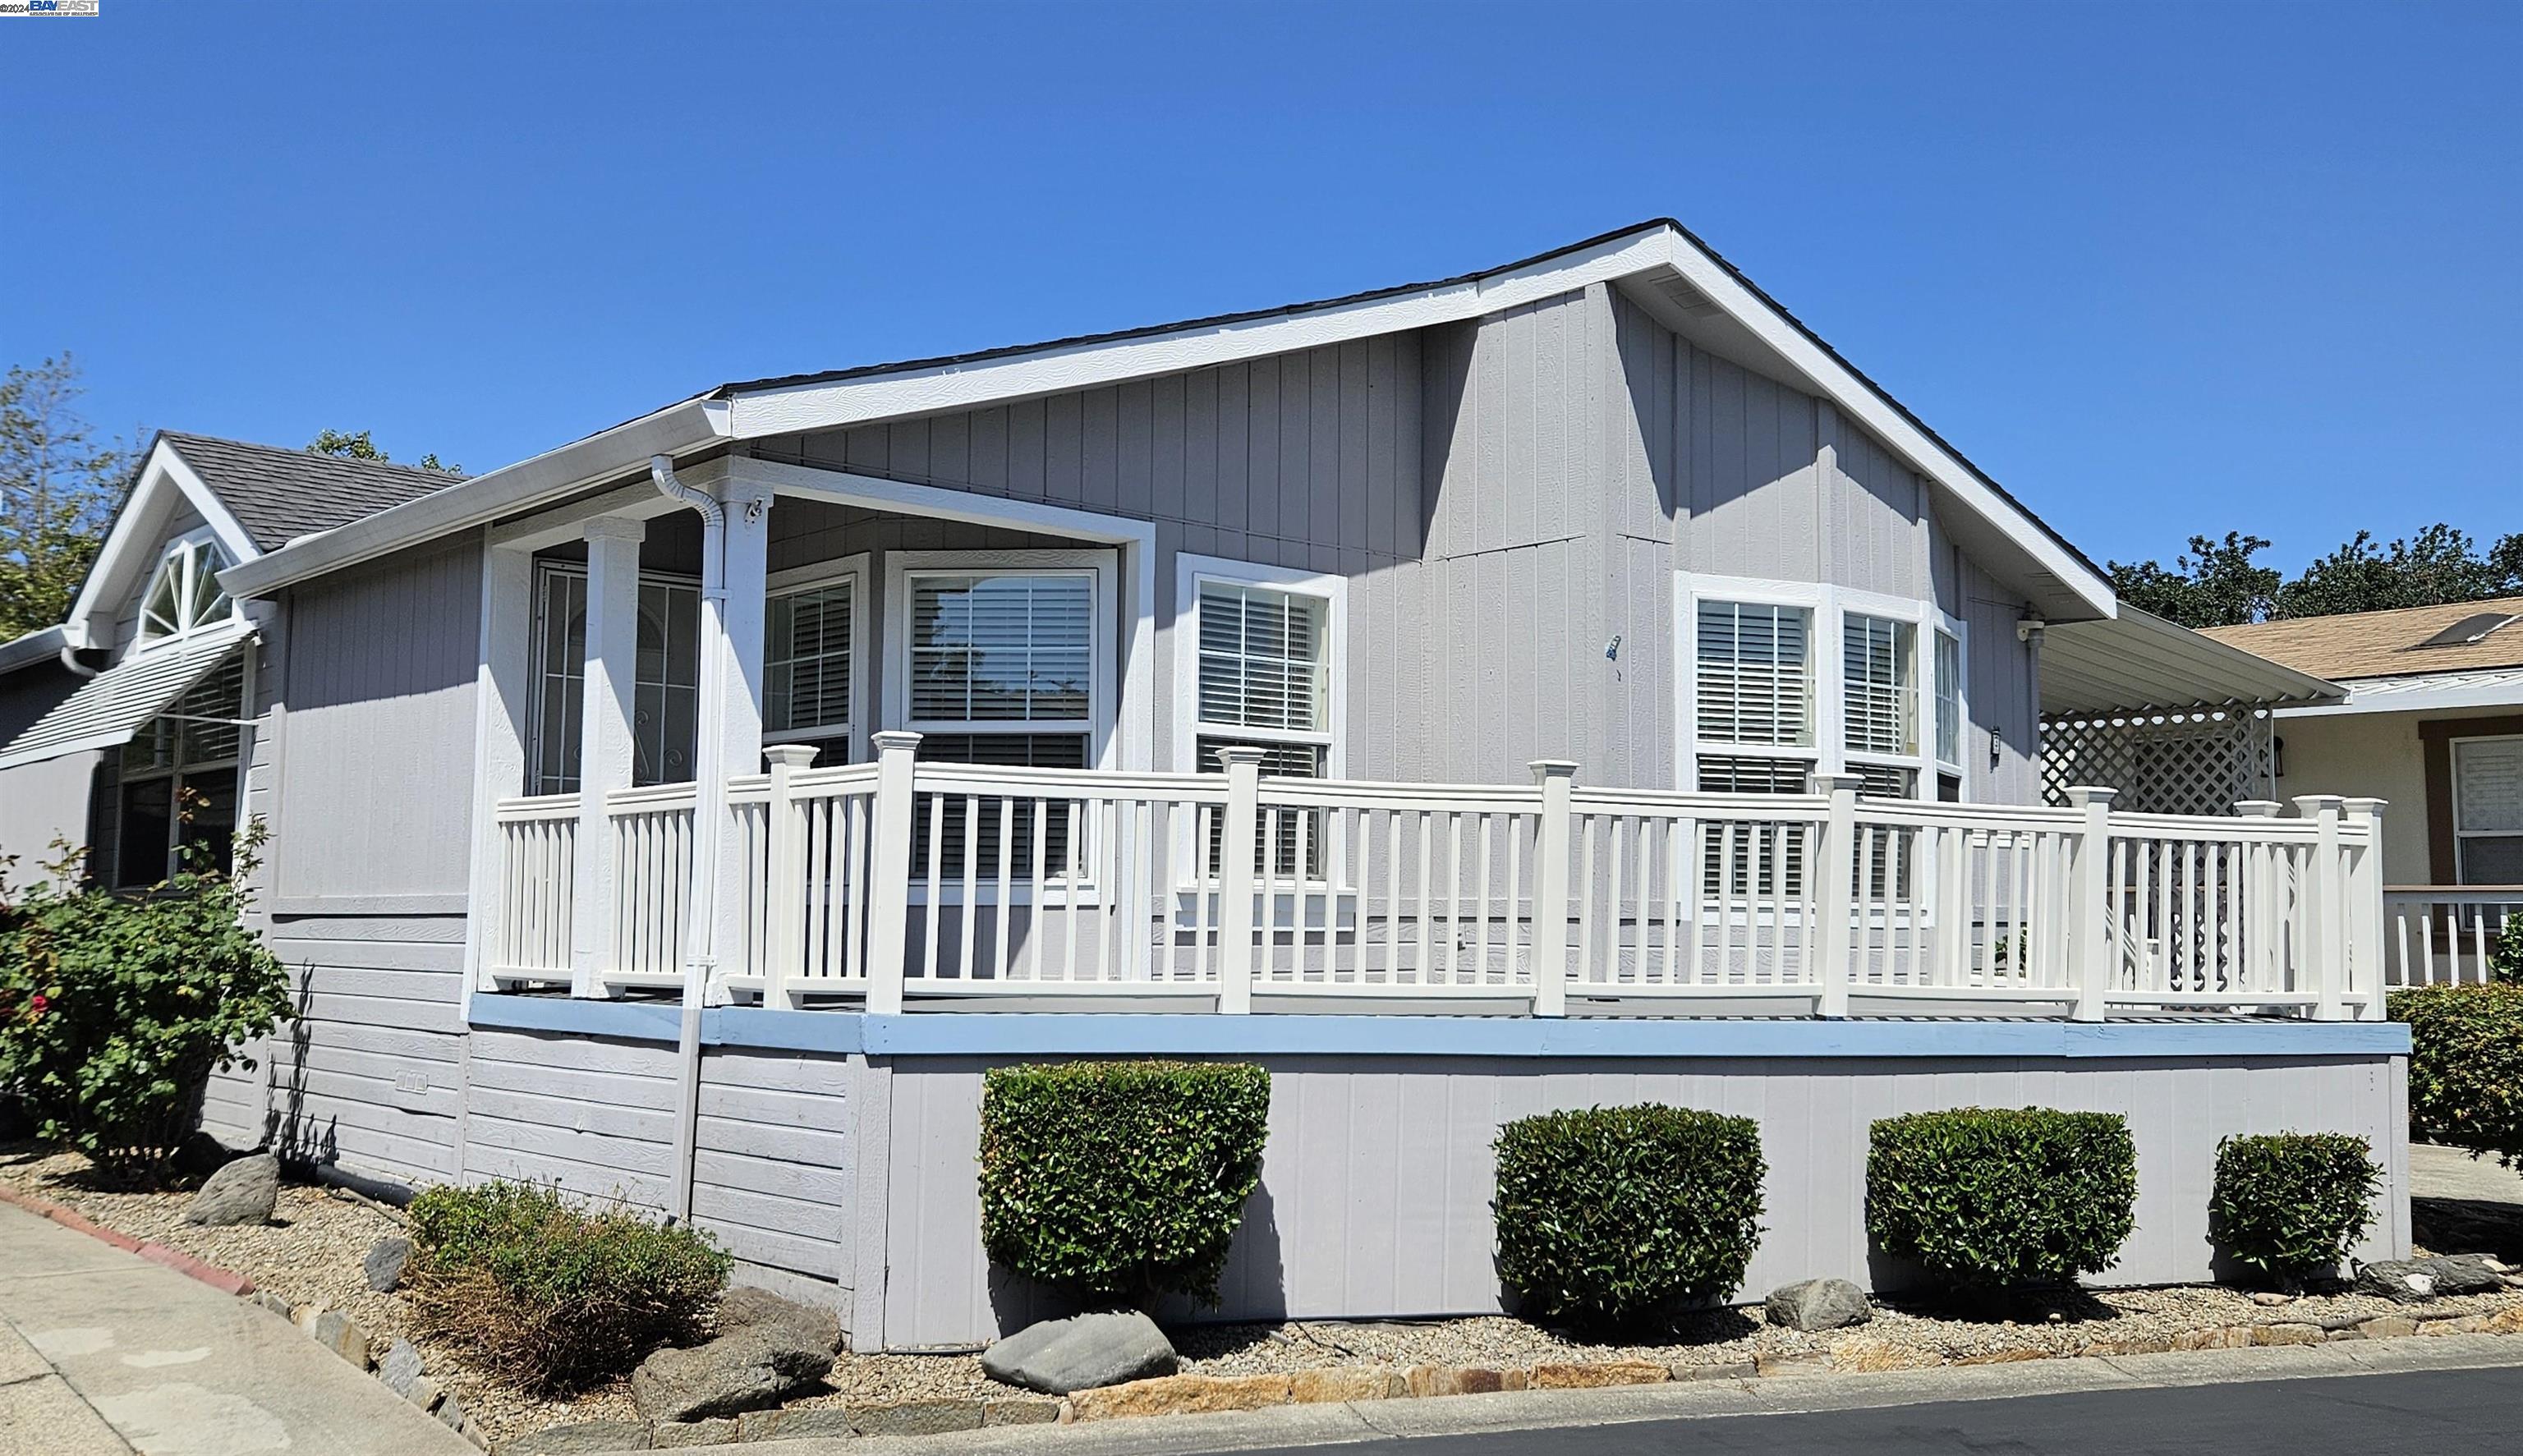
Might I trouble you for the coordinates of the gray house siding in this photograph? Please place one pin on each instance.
(39, 802)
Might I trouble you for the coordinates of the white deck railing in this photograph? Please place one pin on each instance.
(902, 882)
(2446, 934)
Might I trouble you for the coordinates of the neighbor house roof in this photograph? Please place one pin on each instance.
(2390, 644)
(1656, 259)
(278, 495)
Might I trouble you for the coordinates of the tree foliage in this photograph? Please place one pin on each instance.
(59, 485)
(2220, 583)
(344, 445)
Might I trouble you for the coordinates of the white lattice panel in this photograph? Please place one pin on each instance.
(2202, 760)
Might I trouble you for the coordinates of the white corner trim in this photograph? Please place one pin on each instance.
(137, 540)
(1103, 691)
(1189, 572)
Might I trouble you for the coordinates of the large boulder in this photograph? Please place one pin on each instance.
(746, 1308)
(748, 1370)
(1817, 1304)
(385, 1263)
(1058, 1356)
(2414, 1281)
(2465, 1273)
(241, 1193)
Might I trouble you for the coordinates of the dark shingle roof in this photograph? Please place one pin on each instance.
(278, 494)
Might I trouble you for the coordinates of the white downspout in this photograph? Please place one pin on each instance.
(78, 668)
(709, 807)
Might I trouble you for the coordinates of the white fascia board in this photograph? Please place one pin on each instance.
(131, 543)
(678, 428)
(2416, 701)
(43, 644)
(791, 409)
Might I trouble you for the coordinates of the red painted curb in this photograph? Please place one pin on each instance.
(223, 1280)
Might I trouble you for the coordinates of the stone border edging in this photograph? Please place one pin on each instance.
(225, 1280)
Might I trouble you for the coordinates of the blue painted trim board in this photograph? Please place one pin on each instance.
(1158, 1034)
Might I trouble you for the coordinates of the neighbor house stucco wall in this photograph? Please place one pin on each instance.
(2371, 755)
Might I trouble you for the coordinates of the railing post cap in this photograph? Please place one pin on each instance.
(2080, 795)
(2258, 807)
(2359, 805)
(894, 741)
(1832, 783)
(1552, 767)
(791, 755)
(2313, 803)
(1242, 753)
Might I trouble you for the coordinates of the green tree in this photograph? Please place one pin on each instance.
(342, 445)
(2440, 565)
(59, 485)
(2217, 585)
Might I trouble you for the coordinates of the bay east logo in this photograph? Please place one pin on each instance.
(46, 9)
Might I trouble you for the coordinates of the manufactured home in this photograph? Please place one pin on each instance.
(1567, 683)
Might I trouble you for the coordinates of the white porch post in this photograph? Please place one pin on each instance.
(1558, 777)
(604, 743)
(736, 702)
(2325, 958)
(2089, 921)
(2366, 913)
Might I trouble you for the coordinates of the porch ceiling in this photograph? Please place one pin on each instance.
(2141, 661)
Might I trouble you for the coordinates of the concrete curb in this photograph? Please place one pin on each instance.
(225, 1280)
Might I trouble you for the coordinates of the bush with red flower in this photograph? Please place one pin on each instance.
(115, 1008)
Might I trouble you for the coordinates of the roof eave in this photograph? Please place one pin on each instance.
(43, 644)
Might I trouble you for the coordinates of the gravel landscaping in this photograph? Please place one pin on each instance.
(312, 1251)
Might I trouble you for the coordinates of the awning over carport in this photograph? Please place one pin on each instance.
(114, 704)
(2140, 661)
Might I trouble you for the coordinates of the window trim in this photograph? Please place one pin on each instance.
(197, 545)
(1190, 571)
(794, 580)
(1830, 605)
(1101, 570)
(2452, 778)
(1945, 624)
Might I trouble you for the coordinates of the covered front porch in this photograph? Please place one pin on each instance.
(921, 775)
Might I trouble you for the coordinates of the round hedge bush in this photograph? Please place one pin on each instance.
(1993, 1199)
(1120, 1180)
(2465, 1066)
(2287, 1204)
(1615, 1215)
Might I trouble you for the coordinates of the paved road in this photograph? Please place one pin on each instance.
(2440, 1412)
(173, 1367)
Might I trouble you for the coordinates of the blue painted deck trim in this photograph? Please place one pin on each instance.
(1156, 1034)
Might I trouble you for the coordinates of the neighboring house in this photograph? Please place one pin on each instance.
(2433, 721)
(1592, 656)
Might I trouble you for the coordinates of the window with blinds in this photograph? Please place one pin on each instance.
(1878, 692)
(808, 639)
(1263, 662)
(175, 782)
(2487, 811)
(1949, 699)
(1755, 674)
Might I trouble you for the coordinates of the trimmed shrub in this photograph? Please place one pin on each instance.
(2465, 1066)
(1992, 1199)
(115, 1009)
(1616, 1215)
(2287, 1204)
(1120, 1180)
(553, 1295)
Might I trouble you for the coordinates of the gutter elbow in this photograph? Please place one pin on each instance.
(661, 470)
(77, 669)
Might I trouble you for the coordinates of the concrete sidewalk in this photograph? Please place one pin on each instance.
(103, 1353)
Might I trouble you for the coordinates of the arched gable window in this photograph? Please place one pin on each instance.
(184, 595)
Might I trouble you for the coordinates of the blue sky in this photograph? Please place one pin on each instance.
(2158, 268)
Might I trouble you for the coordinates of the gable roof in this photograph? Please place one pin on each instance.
(2383, 645)
(1659, 259)
(278, 495)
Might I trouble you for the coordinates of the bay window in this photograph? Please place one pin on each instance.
(1880, 703)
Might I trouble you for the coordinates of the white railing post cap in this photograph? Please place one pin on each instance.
(2081, 795)
(892, 741)
(2258, 807)
(791, 755)
(2309, 805)
(1242, 753)
(1833, 783)
(1552, 767)
(2356, 805)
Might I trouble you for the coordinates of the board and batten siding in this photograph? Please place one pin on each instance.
(1375, 1188)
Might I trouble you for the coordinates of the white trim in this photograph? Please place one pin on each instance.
(1189, 572)
(853, 569)
(1136, 730)
(1945, 624)
(1103, 689)
(2415, 699)
(196, 548)
(136, 527)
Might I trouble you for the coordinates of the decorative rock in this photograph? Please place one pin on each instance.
(1596, 1375)
(1864, 1354)
(385, 1261)
(1060, 1356)
(1425, 1380)
(2218, 1338)
(2271, 1299)
(272, 1302)
(423, 1393)
(2464, 1273)
(2290, 1333)
(1020, 1410)
(746, 1308)
(1731, 1370)
(1817, 1304)
(740, 1371)
(2467, 1324)
(2015, 1357)
(1342, 1383)
(2401, 1281)
(910, 1418)
(677, 1434)
(334, 1330)
(1181, 1395)
(399, 1368)
(241, 1193)
(579, 1437)
(1787, 1364)
(451, 1413)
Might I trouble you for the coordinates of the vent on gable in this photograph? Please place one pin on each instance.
(2470, 631)
(1690, 300)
